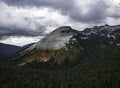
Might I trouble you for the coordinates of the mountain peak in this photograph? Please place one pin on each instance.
(56, 39)
(69, 27)
(62, 29)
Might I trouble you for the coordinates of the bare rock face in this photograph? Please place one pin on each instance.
(56, 39)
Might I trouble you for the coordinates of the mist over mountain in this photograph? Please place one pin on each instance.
(56, 39)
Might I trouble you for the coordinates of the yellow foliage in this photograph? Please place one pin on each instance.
(40, 55)
(23, 53)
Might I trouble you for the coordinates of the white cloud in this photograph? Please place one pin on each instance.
(33, 17)
(21, 41)
(115, 2)
(30, 17)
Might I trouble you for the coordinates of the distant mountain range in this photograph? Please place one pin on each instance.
(66, 45)
(7, 50)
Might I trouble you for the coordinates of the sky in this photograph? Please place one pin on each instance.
(26, 21)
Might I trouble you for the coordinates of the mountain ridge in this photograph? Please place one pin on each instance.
(6, 50)
(66, 43)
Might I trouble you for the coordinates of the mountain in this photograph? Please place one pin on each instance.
(57, 46)
(65, 46)
(27, 45)
(56, 39)
(106, 30)
(6, 50)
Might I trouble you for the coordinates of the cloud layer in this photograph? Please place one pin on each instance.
(39, 17)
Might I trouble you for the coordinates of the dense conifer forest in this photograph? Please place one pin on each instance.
(96, 68)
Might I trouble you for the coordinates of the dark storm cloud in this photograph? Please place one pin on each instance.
(96, 10)
(46, 3)
(96, 13)
(15, 31)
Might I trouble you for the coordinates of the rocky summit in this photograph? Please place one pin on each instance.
(56, 39)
